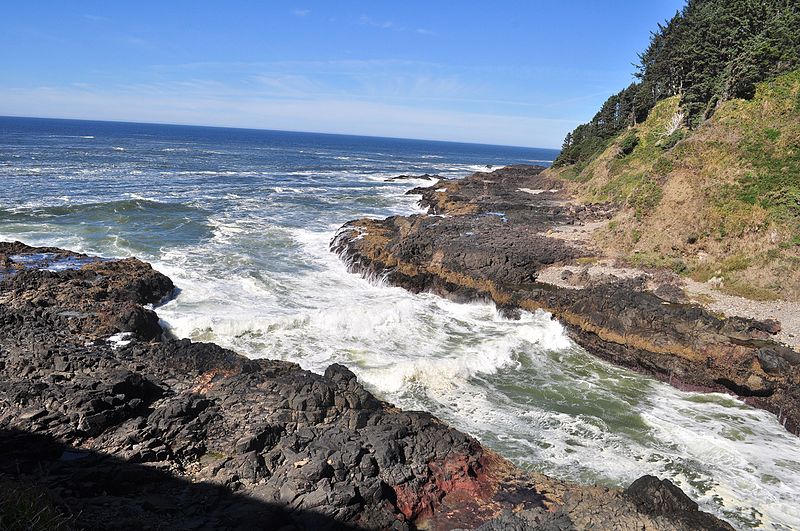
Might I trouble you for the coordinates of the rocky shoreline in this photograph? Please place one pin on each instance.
(490, 235)
(125, 428)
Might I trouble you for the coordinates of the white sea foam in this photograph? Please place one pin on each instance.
(120, 340)
(423, 351)
(261, 280)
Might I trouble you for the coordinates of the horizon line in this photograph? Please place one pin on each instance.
(272, 130)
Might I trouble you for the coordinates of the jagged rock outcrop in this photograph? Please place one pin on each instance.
(487, 236)
(162, 433)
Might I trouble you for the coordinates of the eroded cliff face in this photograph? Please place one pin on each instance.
(152, 432)
(487, 236)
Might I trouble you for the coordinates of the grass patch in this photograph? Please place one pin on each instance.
(771, 149)
(772, 134)
(749, 291)
(731, 264)
(794, 242)
(737, 262)
(645, 197)
(574, 173)
(663, 166)
(25, 507)
(657, 261)
(730, 269)
(637, 191)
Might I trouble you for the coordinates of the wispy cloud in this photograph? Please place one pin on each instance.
(389, 79)
(210, 104)
(301, 12)
(287, 85)
(366, 20)
(95, 18)
(369, 21)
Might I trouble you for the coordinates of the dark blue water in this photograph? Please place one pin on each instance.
(241, 221)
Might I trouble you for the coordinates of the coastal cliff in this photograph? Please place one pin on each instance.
(121, 427)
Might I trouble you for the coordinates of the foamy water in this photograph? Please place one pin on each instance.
(242, 222)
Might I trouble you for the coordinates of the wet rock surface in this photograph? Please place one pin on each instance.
(424, 176)
(169, 434)
(487, 237)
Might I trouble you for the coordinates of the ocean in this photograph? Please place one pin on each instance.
(241, 221)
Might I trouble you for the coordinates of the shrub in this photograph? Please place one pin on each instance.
(669, 141)
(628, 144)
(662, 166)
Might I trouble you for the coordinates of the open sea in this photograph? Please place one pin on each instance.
(241, 221)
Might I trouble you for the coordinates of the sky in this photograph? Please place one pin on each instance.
(504, 72)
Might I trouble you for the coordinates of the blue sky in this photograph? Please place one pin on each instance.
(505, 72)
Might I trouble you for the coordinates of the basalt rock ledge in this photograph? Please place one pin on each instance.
(126, 428)
(489, 235)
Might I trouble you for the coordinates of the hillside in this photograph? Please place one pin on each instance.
(708, 183)
(720, 201)
(709, 52)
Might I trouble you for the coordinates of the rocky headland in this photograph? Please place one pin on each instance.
(122, 427)
(499, 236)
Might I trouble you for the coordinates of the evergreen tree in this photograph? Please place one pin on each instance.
(711, 51)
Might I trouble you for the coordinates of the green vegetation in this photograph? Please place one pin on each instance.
(25, 507)
(628, 144)
(772, 153)
(639, 192)
(635, 164)
(663, 166)
(672, 139)
(702, 153)
(657, 261)
(710, 52)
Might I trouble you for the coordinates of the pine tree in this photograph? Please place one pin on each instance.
(711, 51)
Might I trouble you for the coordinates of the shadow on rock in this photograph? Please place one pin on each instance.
(97, 491)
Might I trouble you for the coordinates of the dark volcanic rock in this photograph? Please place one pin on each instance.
(90, 297)
(174, 434)
(486, 237)
(426, 176)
